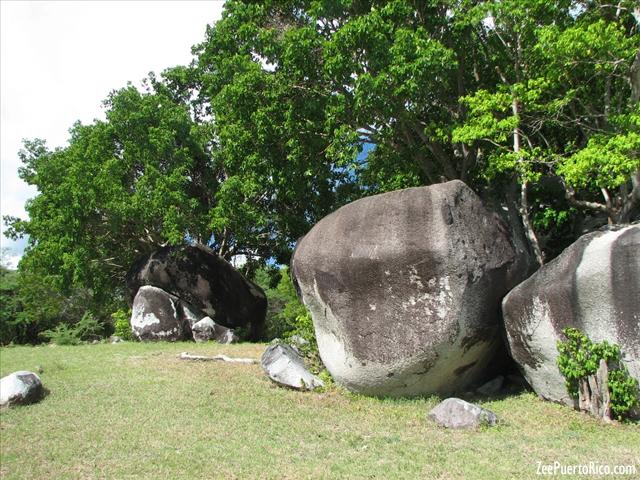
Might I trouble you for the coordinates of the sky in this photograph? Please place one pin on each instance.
(60, 59)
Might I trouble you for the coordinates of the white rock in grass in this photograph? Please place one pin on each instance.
(284, 366)
(206, 329)
(456, 413)
(20, 388)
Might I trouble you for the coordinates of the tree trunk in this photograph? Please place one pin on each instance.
(524, 189)
(528, 225)
(593, 393)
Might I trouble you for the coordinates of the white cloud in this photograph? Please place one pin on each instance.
(59, 60)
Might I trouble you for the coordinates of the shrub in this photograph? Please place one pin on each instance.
(86, 329)
(121, 323)
(283, 304)
(62, 334)
(580, 357)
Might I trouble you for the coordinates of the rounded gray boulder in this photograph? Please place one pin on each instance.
(158, 315)
(405, 287)
(593, 286)
(20, 388)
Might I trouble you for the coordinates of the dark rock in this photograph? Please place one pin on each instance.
(204, 280)
(20, 388)
(405, 288)
(206, 329)
(456, 413)
(594, 286)
(284, 366)
(492, 387)
(158, 315)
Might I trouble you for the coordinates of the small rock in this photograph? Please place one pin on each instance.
(491, 387)
(206, 329)
(158, 315)
(20, 388)
(284, 366)
(115, 339)
(225, 335)
(456, 413)
(203, 330)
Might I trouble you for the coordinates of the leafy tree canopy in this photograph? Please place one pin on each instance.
(534, 103)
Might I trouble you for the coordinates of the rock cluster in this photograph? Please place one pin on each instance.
(411, 293)
(191, 293)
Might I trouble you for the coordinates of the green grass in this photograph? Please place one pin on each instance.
(136, 411)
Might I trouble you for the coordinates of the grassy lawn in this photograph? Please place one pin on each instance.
(136, 411)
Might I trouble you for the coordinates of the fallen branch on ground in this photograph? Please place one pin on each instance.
(217, 358)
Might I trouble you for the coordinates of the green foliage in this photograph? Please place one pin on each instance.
(287, 318)
(62, 334)
(121, 323)
(86, 329)
(261, 136)
(9, 305)
(286, 315)
(580, 357)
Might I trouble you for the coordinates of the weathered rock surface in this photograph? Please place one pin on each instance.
(206, 281)
(405, 289)
(20, 388)
(206, 329)
(456, 413)
(158, 315)
(284, 366)
(594, 286)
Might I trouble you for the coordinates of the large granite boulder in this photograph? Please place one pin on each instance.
(158, 315)
(206, 281)
(405, 287)
(20, 388)
(594, 286)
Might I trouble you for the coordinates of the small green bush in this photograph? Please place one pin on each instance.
(580, 357)
(62, 334)
(121, 324)
(88, 328)
(284, 308)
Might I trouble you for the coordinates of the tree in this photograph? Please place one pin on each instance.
(562, 107)
(494, 93)
(533, 103)
(121, 188)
